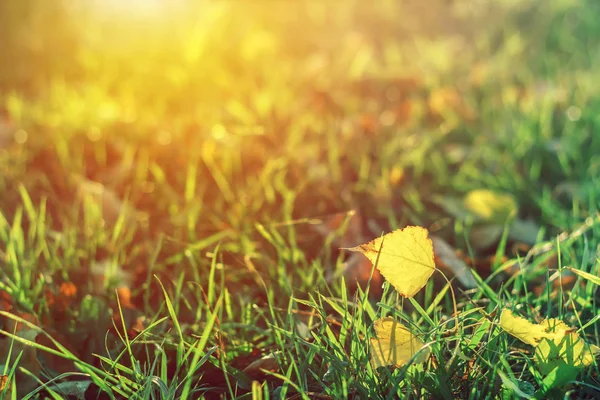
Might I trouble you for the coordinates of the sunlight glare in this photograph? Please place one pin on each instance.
(133, 7)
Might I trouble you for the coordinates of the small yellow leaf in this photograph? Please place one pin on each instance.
(404, 257)
(394, 344)
(557, 345)
(567, 348)
(489, 205)
(525, 331)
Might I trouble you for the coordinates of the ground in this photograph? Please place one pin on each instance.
(180, 188)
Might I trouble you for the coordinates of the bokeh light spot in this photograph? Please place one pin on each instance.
(94, 134)
(574, 113)
(21, 136)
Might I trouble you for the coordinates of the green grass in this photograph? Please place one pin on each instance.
(224, 157)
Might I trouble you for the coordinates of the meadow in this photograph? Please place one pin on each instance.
(181, 184)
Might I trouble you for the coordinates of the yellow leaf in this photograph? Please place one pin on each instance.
(556, 343)
(567, 348)
(404, 257)
(525, 331)
(395, 344)
(489, 205)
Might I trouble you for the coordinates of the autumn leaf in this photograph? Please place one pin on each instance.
(266, 363)
(566, 348)
(404, 257)
(6, 303)
(525, 331)
(488, 212)
(557, 345)
(490, 205)
(395, 345)
(446, 257)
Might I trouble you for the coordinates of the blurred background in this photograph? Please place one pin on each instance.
(186, 100)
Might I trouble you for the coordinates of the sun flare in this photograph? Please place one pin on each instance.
(133, 8)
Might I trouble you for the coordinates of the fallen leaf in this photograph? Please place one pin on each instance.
(71, 389)
(124, 295)
(257, 367)
(566, 348)
(67, 289)
(572, 191)
(483, 236)
(490, 205)
(64, 299)
(524, 231)
(488, 212)
(395, 345)
(558, 347)
(445, 256)
(404, 257)
(6, 303)
(522, 329)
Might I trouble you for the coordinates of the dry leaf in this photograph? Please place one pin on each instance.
(483, 236)
(445, 256)
(404, 257)
(524, 231)
(395, 345)
(72, 389)
(6, 303)
(522, 329)
(490, 206)
(489, 211)
(567, 348)
(267, 363)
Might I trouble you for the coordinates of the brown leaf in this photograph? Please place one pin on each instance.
(6, 303)
(524, 231)
(483, 236)
(124, 294)
(64, 299)
(72, 389)
(267, 363)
